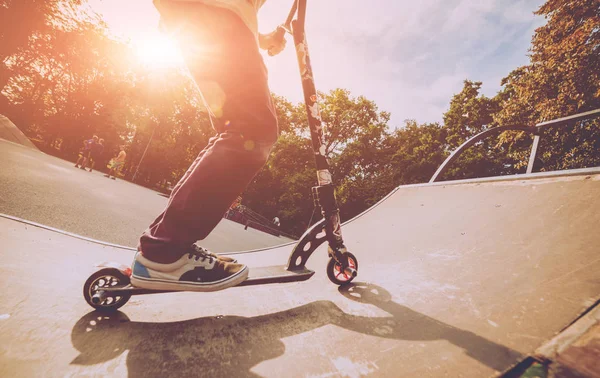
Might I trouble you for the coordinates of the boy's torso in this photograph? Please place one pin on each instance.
(247, 10)
(255, 3)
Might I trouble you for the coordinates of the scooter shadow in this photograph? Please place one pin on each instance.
(232, 345)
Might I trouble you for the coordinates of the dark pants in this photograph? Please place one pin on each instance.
(223, 58)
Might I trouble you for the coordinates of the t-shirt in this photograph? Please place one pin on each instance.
(247, 10)
(97, 149)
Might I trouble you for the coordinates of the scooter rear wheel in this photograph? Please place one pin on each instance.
(104, 278)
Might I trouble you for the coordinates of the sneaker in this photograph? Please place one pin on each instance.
(215, 256)
(82, 168)
(107, 176)
(194, 271)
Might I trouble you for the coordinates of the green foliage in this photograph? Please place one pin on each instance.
(562, 79)
(283, 187)
(469, 114)
(570, 147)
(355, 131)
(415, 152)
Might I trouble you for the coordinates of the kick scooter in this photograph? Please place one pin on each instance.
(109, 288)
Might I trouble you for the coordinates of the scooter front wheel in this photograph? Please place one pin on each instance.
(96, 297)
(342, 276)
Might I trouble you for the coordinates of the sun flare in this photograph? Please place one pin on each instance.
(159, 51)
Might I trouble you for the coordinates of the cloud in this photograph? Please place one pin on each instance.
(410, 57)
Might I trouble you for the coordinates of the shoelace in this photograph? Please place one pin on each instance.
(201, 253)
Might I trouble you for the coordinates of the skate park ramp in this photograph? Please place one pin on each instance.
(45, 189)
(9, 131)
(457, 279)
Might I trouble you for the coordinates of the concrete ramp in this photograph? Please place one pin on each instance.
(9, 131)
(457, 279)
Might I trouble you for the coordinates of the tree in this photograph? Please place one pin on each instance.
(470, 114)
(68, 80)
(22, 20)
(354, 130)
(562, 78)
(416, 152)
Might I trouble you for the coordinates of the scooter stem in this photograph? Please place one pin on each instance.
(323, 193)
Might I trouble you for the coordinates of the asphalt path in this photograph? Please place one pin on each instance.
(51, 191)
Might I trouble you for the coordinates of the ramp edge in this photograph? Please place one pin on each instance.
(548, 355)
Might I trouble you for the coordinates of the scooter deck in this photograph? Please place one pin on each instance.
(256, 276)
(275, 274)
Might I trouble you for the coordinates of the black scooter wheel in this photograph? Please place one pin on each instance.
(339, 276)
(104, 278)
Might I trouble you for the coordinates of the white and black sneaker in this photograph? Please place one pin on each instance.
(197, 270)
(220, 257)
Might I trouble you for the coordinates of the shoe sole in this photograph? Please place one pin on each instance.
(156, 284)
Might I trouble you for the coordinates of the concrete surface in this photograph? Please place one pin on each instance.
(574, 352)
(10, 132)
(51, 191)
(455, 280)
(582, 358)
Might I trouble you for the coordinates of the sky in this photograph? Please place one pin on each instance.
(409, 57)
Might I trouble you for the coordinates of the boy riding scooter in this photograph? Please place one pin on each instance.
(220, 43)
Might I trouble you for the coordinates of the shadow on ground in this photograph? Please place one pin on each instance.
(231, 345)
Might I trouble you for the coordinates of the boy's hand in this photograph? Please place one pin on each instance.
(273, 42)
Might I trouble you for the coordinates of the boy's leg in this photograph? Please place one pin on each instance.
(86, 156)
(223, 57)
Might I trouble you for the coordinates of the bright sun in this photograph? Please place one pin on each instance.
(159, 51)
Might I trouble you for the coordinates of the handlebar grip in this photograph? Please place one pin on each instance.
(280, 32)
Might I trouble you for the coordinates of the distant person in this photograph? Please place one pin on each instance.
(84, 153)
(82, 150)
(117, 163)
(276, 222)
(95, 154)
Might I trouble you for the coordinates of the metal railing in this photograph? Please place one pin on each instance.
(535, 130)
